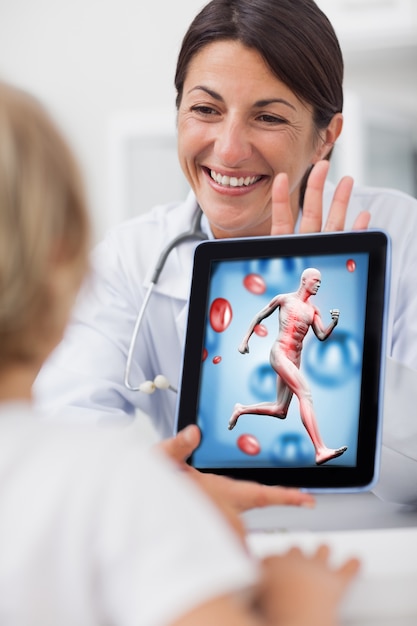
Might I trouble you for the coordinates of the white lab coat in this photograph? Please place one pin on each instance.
(85, 374)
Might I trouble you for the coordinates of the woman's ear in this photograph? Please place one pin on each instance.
(328, 137)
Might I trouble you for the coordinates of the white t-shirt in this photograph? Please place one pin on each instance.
(95, 529)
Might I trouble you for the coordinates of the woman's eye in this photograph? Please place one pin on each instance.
(271, 119)
(204, 110)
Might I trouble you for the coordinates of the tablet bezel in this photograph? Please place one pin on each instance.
(325, 477)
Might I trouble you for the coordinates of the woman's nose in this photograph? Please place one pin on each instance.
(233, 146)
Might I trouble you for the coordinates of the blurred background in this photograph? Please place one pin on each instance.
(105, 68)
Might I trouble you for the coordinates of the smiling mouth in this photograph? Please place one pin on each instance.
(233, 181)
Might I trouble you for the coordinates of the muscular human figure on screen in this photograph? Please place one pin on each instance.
(296, 315)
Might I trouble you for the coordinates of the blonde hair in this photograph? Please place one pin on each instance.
(43, 220)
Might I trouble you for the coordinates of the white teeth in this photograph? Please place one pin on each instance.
(232, 181)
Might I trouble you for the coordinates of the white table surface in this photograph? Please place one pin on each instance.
(382, 536)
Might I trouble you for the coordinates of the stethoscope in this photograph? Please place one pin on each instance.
(160, 381)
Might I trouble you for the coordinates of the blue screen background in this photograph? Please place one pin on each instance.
(332, 367)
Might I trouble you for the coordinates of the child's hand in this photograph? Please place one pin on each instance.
(300, 590)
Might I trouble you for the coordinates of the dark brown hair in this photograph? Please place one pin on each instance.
(294, 37)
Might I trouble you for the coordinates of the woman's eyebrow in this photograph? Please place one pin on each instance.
(210, 92)
(257, 104)
(264, 103)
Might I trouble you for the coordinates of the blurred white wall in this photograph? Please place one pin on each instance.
(90, 60)
(378, 145)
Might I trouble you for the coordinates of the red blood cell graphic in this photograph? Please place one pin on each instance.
(255, 284)
(350, 265)
(220, 314)
(260, 330)
(205, 354)
(217, 360)
(248, 444)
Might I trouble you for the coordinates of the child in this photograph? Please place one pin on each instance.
(95, 529)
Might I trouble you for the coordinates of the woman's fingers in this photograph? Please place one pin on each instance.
(180, 447)
(313, 201)
(362, 221)
(246, 495)
(239, 494)
(312, 216)
(282, 217)
(312, 213)
(337, 213)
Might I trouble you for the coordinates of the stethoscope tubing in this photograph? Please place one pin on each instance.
(135, 336)
(195, 232)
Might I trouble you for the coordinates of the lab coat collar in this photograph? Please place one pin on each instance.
(175, 277)
(175, 280)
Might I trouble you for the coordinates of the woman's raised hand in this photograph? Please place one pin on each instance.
(312, 214)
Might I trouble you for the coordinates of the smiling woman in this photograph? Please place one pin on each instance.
(259, 99)
(235, 137)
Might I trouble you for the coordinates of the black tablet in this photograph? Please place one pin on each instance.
(283, 358)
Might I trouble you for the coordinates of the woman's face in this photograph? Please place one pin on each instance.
(238, 127)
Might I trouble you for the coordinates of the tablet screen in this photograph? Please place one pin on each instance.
(282, 366)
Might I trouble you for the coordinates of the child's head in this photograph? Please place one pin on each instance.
(44, 230)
